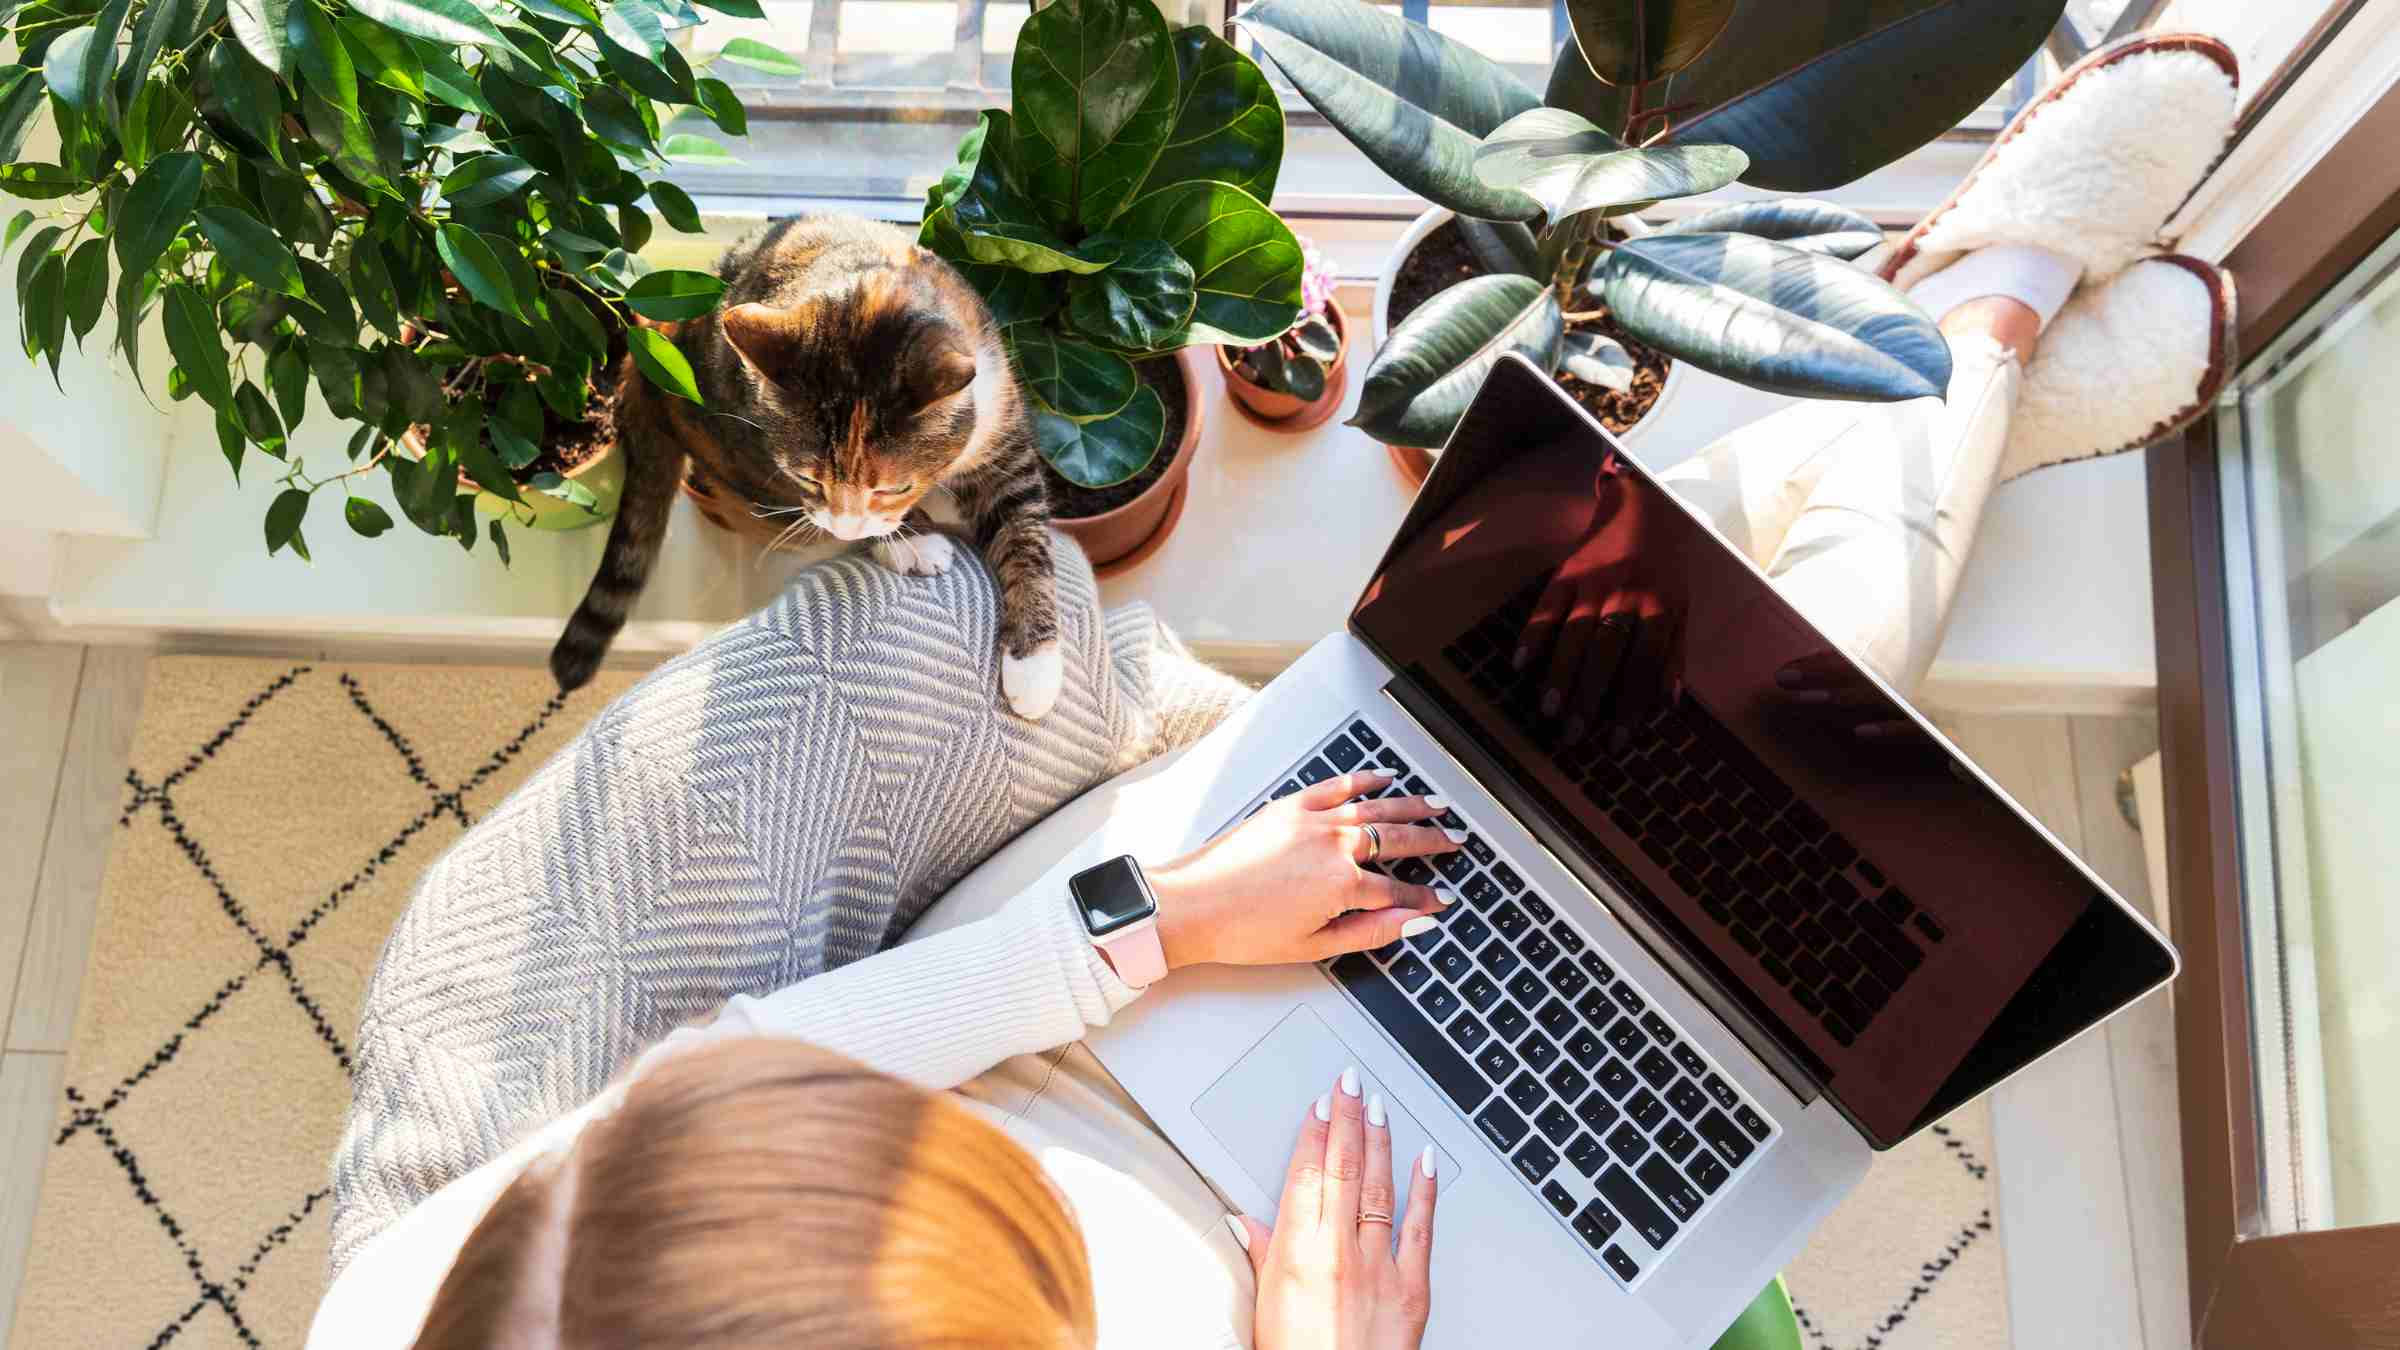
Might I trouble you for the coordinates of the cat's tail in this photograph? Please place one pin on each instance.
(654, 457)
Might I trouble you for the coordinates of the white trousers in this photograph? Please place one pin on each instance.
(1863, 513)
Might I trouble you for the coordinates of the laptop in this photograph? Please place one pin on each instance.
(1709, 955)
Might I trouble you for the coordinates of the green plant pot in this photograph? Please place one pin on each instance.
(603, 476)
(1767, 1324)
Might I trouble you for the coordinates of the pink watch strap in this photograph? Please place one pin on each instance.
(1139, 957)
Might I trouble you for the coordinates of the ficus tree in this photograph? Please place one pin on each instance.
(427, 210)
(1652, 100)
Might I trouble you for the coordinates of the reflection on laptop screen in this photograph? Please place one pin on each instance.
(1900, 929)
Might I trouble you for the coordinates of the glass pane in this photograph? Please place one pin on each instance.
(2313, 529)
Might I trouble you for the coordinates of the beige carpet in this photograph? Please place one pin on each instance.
(275, 816)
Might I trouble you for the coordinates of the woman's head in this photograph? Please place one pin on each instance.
(767, 1193)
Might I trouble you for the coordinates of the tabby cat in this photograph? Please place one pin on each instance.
(847, 374)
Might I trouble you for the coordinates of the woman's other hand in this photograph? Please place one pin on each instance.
(1329, 1277)
(1286, 885)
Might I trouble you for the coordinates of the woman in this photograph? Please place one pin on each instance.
(911, 1149)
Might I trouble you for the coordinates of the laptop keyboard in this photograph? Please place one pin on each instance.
(1599, 1103)
(1821, 920)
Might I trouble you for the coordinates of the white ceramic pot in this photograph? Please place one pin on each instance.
(1380, 319)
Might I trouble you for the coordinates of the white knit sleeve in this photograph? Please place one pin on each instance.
(940, 1011)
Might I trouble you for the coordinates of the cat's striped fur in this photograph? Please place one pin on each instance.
(844, 359)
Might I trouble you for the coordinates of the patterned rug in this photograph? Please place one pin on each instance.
(275, 816)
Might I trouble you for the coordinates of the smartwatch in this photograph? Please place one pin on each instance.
(1120, 912)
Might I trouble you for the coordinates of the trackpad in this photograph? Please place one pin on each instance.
(1256, 1109)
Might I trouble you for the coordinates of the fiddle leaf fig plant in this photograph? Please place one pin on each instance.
(1652, 100)
(1119, 213)
(427, 211)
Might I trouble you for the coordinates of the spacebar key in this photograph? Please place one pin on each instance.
(1423, 1041)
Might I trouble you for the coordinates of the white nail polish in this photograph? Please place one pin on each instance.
(1375, 1115)
(1350, 1081)
(1417, 926)
(1425, 1162)
(1324, 1108)
(1456, 836)
(1438, 803)
(1241, 1231)
(1445, 895)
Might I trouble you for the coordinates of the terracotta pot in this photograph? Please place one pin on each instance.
(1119, 539)
(1415, 463)
(603, 475)
(1289, 412)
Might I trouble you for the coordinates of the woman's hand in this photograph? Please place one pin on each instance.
(1286, 885)
(1328, 1278)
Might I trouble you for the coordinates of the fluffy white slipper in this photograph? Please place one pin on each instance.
(2094, 166)
(2127, 362)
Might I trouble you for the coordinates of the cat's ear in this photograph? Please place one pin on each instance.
(943, 372)
(766, 335)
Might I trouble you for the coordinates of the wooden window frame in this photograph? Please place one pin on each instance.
(2324, 1288)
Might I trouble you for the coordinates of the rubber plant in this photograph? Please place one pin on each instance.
(1119, 213)
(1651, 100)
(426, 209)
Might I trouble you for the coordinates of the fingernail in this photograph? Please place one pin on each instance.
(1574, 729)
(1241, 1231)
(1455, 836)
(1425, 1162)
(1550, 702)
(1377, 773)
(1324, 1108)
(1438, 803)
(1444, 894)
(1350, 1081)
(1417, 927)
(1375, 1114)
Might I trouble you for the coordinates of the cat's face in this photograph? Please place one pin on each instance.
(867, 398)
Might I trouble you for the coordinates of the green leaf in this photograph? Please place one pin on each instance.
(675, 206)
(328, 302)
(46, 311)
(192, 337)
(87, 286)
(1093, 96)
(1884, 90)
(499, 541)
(261, 26)
(1415, 102)
(35, 182)
(371, 284)
(1809, 226)
(762, 58)
(284, 515)
(294, 210)
(1636, 43)
(450, 22)
(1014, 296)
(658, 360)
(635, 25)
(1771, 316)
(723, 106)
(671, 294)
(1071, 378)
(447, 82)
(573, 13)
(1144, 298)
(1419, 385)
(161, 22)
(287, 375)
(259, 421)
(481, 179)
(411, 383)
(996, 223)
(81, 63)
(339, 377)
(740, 9)
(1571, 166)
(565, 489)
(250, 248)
(1245, 261)
(1317, 338)
(465, 433)
(383, 56)
(247, 93)
(134, 290)
(1105, 450)
(633, 226)
(21, 100)
(613, 118)
(156, 208)
(16, 226)
(324, 62)
(1228, 122)
(37, 248)
(230, 441)
(582, 328)
(1595, 358)
(477, 268)
(367, 519)
(685, 148)
(517, 431)
(1501, 246)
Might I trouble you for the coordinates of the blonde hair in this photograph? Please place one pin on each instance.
(767, 1193)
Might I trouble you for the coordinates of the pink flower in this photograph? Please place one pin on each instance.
(1316, 280)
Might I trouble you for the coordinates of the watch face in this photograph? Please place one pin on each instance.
(1111, 896)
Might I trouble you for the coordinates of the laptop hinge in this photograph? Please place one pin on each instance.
(1799, 1070)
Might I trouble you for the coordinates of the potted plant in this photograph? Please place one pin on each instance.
(1651, 100)
(428, 210)
(1115, 221)
(1296, 381)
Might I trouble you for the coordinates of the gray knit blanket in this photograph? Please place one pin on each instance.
(785, 798)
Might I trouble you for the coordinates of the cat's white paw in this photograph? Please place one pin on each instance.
(916, 555)
(1032, 682)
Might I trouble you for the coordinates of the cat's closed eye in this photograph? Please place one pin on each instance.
(895, 491)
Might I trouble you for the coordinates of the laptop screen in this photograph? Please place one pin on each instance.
(1806, 843)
